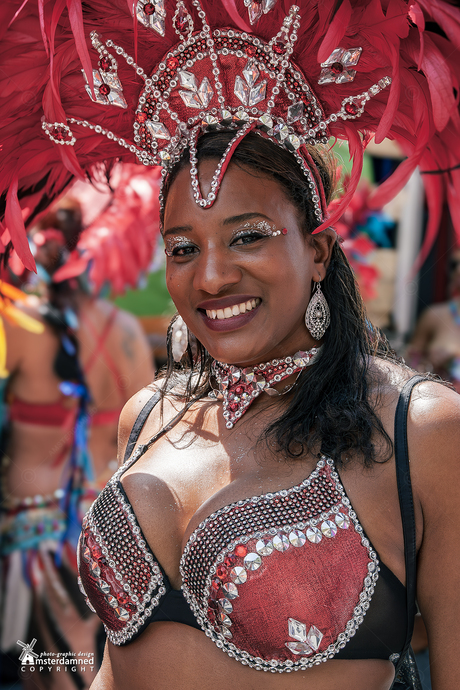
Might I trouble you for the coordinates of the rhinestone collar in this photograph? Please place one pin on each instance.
(238, 388)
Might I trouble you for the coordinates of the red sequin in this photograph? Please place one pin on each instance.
(141, 117)
(337, 68)
(351, 108)
(104, 89)
(241, 551)
(221, 571)
(172, 62)
(149, 9)
(250, 51)
(279, 47)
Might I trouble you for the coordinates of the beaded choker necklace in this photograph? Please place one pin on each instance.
(238, 388)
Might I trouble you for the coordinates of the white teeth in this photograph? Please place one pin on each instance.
(237, 309)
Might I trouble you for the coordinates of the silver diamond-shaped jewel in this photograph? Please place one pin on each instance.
(152, 20)
(314, 638)
(295, 112)
(297, 538)
(103, 586)
(210, 121)
(252, 561)
(251, 73)
(157, 130)
(293, 142)
(336, 68)
(205, 92)
(231, 590)
(112, 601)
(258, 93)
(226, 632)
(329, 528)
(224, 619)
(238, 575)
(191, 99)
(225, 605)
(299, 648)
(241, 90)
(264, 549)
(111, 81)
(314, 535)
(297, 630)
(342, 521)
(94, 568)
(87, 555)
(188, 80)
(351, 56)
(281, 131)
(122, 614)
(255, 12)
(266, 121)
(226, 116)
(90, 606)
(281, 542)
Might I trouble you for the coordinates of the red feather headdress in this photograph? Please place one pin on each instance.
(156, 73)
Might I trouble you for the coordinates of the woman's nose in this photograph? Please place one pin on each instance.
(215, 271)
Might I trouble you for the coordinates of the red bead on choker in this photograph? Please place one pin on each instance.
(240, 387)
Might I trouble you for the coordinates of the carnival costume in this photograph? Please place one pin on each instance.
(146, 80)
(39, 533)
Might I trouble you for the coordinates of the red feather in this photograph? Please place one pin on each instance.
(15, 226)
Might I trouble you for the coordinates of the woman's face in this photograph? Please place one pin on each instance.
(241, 292)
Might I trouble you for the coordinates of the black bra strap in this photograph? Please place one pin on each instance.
(406, 502)
(139, 424)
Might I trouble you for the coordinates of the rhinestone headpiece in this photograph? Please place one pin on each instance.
(219, 79)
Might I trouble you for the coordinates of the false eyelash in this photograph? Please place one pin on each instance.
(174, 243)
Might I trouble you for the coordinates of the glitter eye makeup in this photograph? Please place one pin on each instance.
(264, 227)
(172, 243)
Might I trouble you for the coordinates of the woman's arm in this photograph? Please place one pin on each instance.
(434, 451)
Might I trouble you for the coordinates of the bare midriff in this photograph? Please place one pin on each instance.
(39, 457)
(173, 655)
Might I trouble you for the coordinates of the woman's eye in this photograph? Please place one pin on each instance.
(181, 250)
(248, 238)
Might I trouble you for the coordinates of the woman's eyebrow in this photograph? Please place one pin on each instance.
(178, 229)
(244, 216)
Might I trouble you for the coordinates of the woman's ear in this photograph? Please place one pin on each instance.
(323, 244)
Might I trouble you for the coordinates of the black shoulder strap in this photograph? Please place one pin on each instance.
(406, 502)
(139, 424)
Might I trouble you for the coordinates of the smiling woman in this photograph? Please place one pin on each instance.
(268, 493)
(263, 521)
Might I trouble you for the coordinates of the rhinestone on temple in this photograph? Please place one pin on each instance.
(107, 86)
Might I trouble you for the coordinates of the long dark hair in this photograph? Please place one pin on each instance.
(330, 408)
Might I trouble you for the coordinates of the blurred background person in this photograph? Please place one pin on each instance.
(435, 344)
(65, 391)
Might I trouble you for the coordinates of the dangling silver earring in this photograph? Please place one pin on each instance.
(317, 316)
(179, 339)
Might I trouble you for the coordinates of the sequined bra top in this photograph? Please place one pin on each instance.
(280, 582)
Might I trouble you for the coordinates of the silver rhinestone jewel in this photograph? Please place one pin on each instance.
(230, 590)
(342, 521)
(329, 528)
(297, 538)
(299, 648)
(238, 575)
(314, 535)
(264, 549)
(154, 21)
(157, 130)
(122, 614)
(252, 561)
(281, 542)
(225, 605)
(295, 112)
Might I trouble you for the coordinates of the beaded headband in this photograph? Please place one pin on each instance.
(220, 79)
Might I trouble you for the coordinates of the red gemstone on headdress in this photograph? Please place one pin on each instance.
(59, 133)
(230, 560)
(172, 62)
(105, 64)
(250, 51)
(104, 89)
(141, 117)
(122, 598)
(233, 407)
(239, 390)
(215, 584)
(336, 68)
(351, 108)
(241, 551)
(279, 47)
(149, 9)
